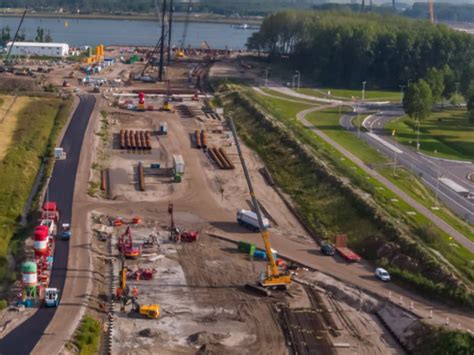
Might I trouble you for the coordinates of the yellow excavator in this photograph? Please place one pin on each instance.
(273, 278)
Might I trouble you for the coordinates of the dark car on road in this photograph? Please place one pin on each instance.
(327, 249)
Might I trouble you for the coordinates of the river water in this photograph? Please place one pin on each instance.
(130, 32)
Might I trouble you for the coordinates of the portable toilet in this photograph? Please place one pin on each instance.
(163, 128)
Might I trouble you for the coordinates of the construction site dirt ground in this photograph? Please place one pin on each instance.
(200, 288)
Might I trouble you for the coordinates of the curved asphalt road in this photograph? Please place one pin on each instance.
(23, 339)
(427, 168)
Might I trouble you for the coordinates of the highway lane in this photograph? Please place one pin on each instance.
(23, 339)
(427, 168)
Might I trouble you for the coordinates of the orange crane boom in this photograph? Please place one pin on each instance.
(431, 11)
(274, 278)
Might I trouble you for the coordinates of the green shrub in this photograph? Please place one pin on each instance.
(88, 336)
(3, 304)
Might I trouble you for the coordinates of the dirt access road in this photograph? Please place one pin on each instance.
(203, 202)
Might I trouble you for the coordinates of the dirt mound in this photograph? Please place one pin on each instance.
(148, 333)
(205, 338)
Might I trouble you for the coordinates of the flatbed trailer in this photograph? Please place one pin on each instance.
(344, 251)
(348, 254)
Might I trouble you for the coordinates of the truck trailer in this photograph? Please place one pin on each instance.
(249, 219)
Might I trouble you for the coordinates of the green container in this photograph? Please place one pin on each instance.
(253, 247)
(29, 266)
(244, 247)
(248, 248)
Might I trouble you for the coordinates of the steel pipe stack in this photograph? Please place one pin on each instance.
(141, 177)
(203, 139)
(197, 137)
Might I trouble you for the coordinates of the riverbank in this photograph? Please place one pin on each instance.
(177, 17)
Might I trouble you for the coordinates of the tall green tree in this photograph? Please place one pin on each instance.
(449, 82)
(39, 35)
(435, 79)
(5, 36)
(418, 100)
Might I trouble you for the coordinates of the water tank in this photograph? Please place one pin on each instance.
(29, 274)
(40, 244)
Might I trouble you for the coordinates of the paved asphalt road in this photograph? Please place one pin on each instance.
(427, 168)
(23, 339)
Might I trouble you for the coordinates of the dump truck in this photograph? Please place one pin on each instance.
(249, 219)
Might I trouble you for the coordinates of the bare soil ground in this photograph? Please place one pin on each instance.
(204, 305)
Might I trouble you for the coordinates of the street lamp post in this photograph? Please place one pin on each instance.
(395, 156)
(418, 134)
(401, 93)
(299, 78)
(358, 122)
(437, 186)
(293, 83)
(363, 91)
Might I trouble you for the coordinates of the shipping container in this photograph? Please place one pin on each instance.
(178, 164)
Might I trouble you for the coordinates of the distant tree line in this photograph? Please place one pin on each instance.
(344, 49)
(443, 11)
(223, 7)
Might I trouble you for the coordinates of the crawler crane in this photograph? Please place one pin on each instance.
(273, 278)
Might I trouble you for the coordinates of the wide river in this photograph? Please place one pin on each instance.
(129, 32)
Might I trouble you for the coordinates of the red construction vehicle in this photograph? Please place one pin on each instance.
(141, 274)
(125, 245)
(177, 235)
(343, 250)
(118, 222)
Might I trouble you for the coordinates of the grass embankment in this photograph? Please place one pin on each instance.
(87, 337)
(347, 94)
(447, 134)
(328, 121)
(442, 341)
(38, 125)
(328, 206)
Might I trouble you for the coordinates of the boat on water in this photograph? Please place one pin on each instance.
(245, 26)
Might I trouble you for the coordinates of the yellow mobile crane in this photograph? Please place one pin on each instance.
(274, 278)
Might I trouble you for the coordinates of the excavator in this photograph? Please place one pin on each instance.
(125, 296)
(273, 278)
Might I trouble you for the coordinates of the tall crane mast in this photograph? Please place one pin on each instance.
(7, 58)
(431, 11)
(273, 278)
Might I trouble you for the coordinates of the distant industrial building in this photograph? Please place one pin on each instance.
(39, 49)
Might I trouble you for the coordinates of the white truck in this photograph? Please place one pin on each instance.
(249, 219)
(178, 164)
(51, 297)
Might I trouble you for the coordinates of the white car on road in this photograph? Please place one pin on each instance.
(382, 274)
